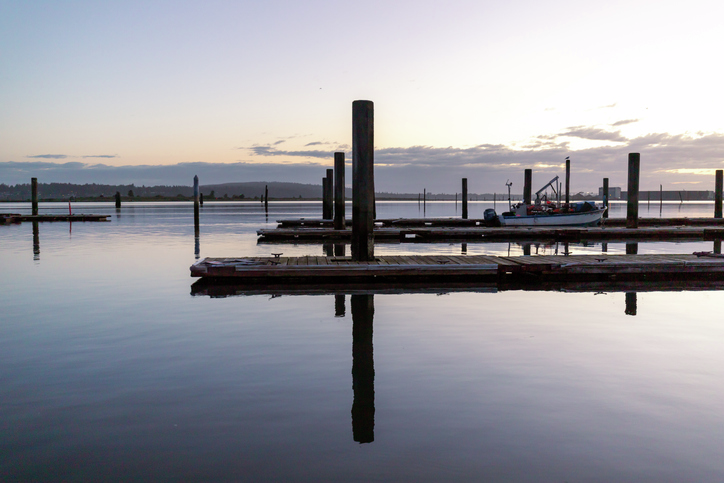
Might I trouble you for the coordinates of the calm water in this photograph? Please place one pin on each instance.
(110, 369)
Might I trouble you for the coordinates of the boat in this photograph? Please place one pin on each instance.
(544, 212)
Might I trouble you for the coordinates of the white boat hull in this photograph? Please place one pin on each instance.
(588, 218)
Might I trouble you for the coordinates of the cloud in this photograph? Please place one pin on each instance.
(48, 156)
(100, 156)
(665, 159)
(624, 122)
(594, 133)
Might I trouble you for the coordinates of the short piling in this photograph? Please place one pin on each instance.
(605, 197)
(363, 195)
(34, 195)
(201, 199)
(528, 182)
(632, 205)
(330, 194)
(719, 181)
(196, 205)
(266, 197)
(325, 211)
(118, 200)
(568, 180)
(339, 191)
(465, 198)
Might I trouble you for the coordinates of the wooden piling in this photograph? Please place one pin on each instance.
(325, 204)
(266, 197)
(330, 194)
(196, 205)
(201, 199)
(632, 205)
(605, 197)
(118, 199)
(568, 180)
(527, 183)
(718, 193)
(363, 194)
(339, 191)
(34, 195)
(465, 198)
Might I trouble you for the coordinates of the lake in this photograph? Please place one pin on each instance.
(112, 370)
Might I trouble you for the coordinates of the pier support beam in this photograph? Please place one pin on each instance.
(605, 197)
(363, 190)
(528, 182)
(34, 195)
(718, 193)
(632, 206)
(363, 369)
(465, 198)
(339, 191)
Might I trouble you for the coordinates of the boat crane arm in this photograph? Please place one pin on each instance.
(550, 183)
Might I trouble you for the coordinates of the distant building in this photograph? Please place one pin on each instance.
(613, 193)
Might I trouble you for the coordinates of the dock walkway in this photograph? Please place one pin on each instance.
(420, 268)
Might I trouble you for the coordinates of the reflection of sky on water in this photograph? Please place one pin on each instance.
(110, 367)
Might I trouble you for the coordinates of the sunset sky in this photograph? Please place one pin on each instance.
(133, 92)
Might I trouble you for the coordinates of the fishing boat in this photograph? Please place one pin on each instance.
(544, 212)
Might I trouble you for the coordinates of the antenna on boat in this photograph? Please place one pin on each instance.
(509, 184)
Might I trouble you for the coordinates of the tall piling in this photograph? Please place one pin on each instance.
(196, 205)
(528, 181)
(605, 197)
(325, 211)
(330, 194)
(568, 180)
(465, 198)
(363, 194)
(266, 197)
(339, 191)
(718, 193)
(632, 205)
(34, 195)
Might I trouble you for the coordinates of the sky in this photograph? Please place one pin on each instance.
(148, 92)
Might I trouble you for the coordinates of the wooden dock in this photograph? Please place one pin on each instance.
(500, 234)
(311, 270)
(8, 218)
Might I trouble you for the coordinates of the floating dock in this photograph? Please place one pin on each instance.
(499, 234)
(8, 218)
(311, 270)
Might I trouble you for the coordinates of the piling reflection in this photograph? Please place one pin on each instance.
(197, 246)
(339, 250)
(632, 248)
(363, 369)
(631, 300)
(717, 247)
(339, 305)
(328, 249)
(36, 241)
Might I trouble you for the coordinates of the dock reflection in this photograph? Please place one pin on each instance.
(36, 241)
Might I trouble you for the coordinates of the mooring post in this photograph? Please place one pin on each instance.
(528, 181)
(465, 198)
(661, 198)
(325, 213)
(605, 197)
(339, 191)
(34, 195)
(330, 193)
(363, 194)
(719, 175)
(424, 199)
(632, 205)
(118, 200)
(196, 205)
(201, 199)
(363, 368)
(266, 197)
(568, 180)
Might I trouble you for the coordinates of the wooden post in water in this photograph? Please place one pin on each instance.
(363, 368)
(325, 213)
(719, 182)
(568, 180)
(118, 200)
(34, 195)
(196, 205)
(632, 206)
(605, 197)
(201, 199)
(330, 193)
(528, 181)
(363, 187)
(465, 198)
(339, 191)
(661, 199)
(266, 197)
